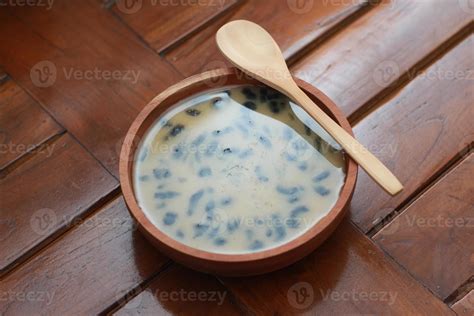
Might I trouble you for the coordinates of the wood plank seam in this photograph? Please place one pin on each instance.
(11, 166)
(230, 9)
(404, 79)
(183, 37)
(453, 163)
(460, 292)
(467, 285)
(363, 9)
(57, 235)
(234, 299)
(132, 293)
(44, 108)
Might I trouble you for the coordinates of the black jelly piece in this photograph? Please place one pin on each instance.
(265, 141)
(193, 201)
(205, 172)
(274, 108)
(193, 112)
(226, 200)
(233, 224)
(299, 210)
(323, 175)
(250, 105)
(170, 218)
(199, 140)
(166, 195)
(200, 229)
(219, 241)
(227, 151)
(176, 130)
(217, 102)
(286, 190)
(303, 166)
(211, 205)
(293, 222)
(144, 178)
(322, 190)
(179, 233)
(249, 94)
(256, 244)
(161, 173)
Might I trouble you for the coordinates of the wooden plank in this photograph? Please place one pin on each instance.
(293, 24)
(24, 125)
(179, 291)
(465, 306)
(371, 54)
(92, 74)
(164, 23)
(44, 194)
(92, 266)
(433, 238)
(417, 132)
(347, 275)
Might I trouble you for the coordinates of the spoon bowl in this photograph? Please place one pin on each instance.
(254, 51)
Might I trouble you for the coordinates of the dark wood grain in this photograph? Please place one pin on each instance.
(164, 23)
(434, 237)
(94, 265)
(348, 275)
(23, 124)
(86, 54)
(179, 291)
(372, 53)
(417, 132)
(46, 193)
(465, 306)
(293, 24)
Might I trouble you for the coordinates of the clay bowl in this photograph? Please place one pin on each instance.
(228, 264)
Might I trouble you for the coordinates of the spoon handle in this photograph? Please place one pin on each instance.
(373, 166)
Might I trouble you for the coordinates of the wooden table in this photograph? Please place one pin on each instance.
(75, 74)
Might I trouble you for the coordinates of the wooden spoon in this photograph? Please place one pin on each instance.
(253, 50)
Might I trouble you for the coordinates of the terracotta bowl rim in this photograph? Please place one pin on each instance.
(128, 152)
